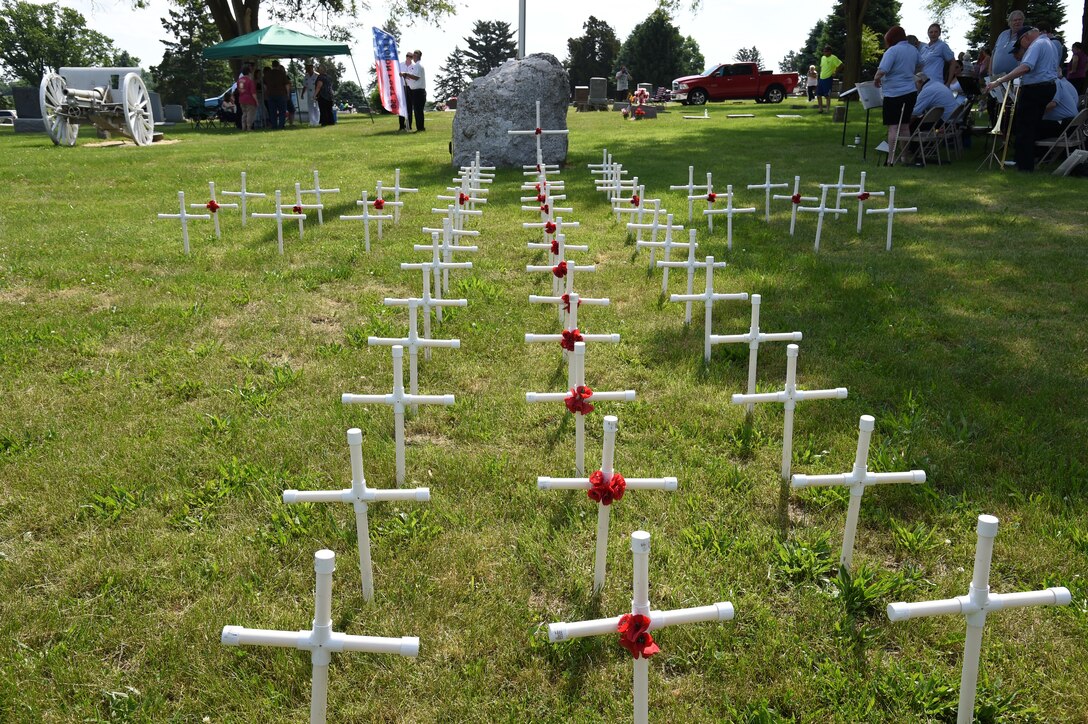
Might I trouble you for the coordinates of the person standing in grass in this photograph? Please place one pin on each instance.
(811, 82)
(623, 77)
(247, 97)
(1039, 69)
(308, 82)
(829, 66)
(895, 77)
(323, 91)
(935, 55)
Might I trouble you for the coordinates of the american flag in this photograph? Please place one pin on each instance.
(390, 84)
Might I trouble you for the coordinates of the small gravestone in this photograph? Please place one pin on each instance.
(28, 104)
(598, 92)
(505, 100)
(173, 113)
(157, 116)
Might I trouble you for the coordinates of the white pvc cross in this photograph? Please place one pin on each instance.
(432, 270)
(317, 191)
(640, 606)
(822, 209)
(360, 496)
(753, 337)
(709, 197)
(380, 202)
(691, 187)
(576, 381)
(840, 186)
(299, 205)
(795, 201)
(569, 299)
(571, 330)
(184, 216)
(862, 197)
(538, 132)
(653, 244)
(213, 207)
(708, 297)
(891, 211)
(974, 607)
(457, 213)
(690, 265)
(242, 196)
(729, 212)
(857, 479)
(789, 398)
(608, 450)
(397, 190)
(279, 216)
(443, 245)
(321, 641)
(397, 399)
(366, 217)
(567, 281)
(767, 186)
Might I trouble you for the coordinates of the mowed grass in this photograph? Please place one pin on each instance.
(157, 404)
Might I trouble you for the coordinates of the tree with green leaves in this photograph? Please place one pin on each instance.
(592, 55)
(851, 29)
(655, 52)
(1036, 11)
(453, 76)
(37, 38)
(749, 55)
(791, 63)
(490, 45)
(183, 70)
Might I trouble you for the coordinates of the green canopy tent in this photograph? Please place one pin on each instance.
(278, 42)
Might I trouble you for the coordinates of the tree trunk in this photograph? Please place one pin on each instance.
(854, 21)
(999, 11)
(1084, 27)
(234, 18)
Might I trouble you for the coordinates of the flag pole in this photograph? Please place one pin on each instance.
(521, 29)
(359, 80)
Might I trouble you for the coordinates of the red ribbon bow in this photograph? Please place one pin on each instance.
(635, 635)
(539, 131)
(555, 248)
(635, 200)
(379, 204)
(541, 198)
(570, 336)
(560, 269)
(462, 199)
(566, 302)
(538, 187)
(863, 196)
(549, 227)
(578, 400)
(296, 209)
(544, 208)
(796, 198)
(212, 206)
(711, 197)
(606, 493)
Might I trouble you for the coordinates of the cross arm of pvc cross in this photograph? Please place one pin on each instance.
(758, 337)
(1055, 596)
(564, 631)
(455, 247)
(853, 478)
(589, 301)
(546, 483)
(620, 396)
(310, 641)
(431, 265)
(715, 297)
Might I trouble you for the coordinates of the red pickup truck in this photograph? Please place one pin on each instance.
(733, 81)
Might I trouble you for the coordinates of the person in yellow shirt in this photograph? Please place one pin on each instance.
(829, 66)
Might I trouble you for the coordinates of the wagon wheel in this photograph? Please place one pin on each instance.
(137, 104)
(51, 94)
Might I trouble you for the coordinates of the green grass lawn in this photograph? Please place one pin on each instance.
(156, 406)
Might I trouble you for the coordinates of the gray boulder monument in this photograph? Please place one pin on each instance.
(505, 100)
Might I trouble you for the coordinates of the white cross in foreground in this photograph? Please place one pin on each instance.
(789, 398)
(279, 216)
(317, 191)
(754, 338)
(321, 641)
(366, 218)
(637, 625)
(974, 607)
(891, 211)
(360, 496)
(397, 400)
(299, 205)
(767, 186)
(863, 196)
(795, 201)
(822, 209)
(605, 486)
(708, 297)
(397, 190)
(691, 188)
(243, 195)
(857, 479)
(729, 211)
(213, 207)
(184, 216)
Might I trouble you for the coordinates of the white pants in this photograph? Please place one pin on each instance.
(314, 112)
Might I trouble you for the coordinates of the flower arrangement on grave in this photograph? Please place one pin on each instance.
(578, 400)
(608, 492)
(639, 113)
(570, 336)
(638, 99)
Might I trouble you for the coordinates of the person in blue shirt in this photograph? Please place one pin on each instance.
(936, 54)
(932, 94)
(1002, 60)
(1038, 71)
(895, 77)
(1059, 111)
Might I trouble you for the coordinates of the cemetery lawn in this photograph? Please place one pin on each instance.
(157, 405)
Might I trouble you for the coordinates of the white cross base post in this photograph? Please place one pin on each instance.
(184, 216)
(397, 190)
(578, 403)
(891, 211)
(708, 297)
(299, 205)
(754, 338)
(366, 217)
(666, 246)
(691, 187)
(822, 209)
(321, 641)
(213, 207)
(571, 333)
(279, 216)
(243, 195)
(863, 196)
(360, 496)
(789, 398)
(795, 201)
(767, 186)
(413, 342)
(857, 479)
(974, 607)
(433, 269)
(317, 191)
(604, 505)
(397, 400)
(690, 265)
(729, 212)
(709, 197)
(640, 607)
